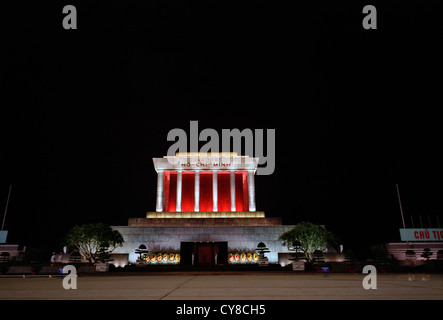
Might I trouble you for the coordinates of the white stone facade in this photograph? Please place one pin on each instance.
(238, 237)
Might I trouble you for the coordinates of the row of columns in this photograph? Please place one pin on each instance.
(160, 188)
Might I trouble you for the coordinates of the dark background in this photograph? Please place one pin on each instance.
(83, 112)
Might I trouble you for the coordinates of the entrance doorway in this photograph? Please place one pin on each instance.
(204, 253)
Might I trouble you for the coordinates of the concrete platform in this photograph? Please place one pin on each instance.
(214, 222)
(223, 286)
(203, 215)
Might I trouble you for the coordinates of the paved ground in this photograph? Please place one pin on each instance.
(222, 286)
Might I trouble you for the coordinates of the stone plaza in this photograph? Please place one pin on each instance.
(223, 286)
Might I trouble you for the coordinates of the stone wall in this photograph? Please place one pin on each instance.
(189, 222)
(398, 249)
(238, 237)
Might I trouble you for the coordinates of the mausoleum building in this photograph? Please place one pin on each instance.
(205, 214)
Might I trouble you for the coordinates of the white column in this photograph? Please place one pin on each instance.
(233, 206)
(251, 190)
(178, 206)
(159, 199)
(197, 192)
(214, 191)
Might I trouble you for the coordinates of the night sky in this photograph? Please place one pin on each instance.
(83, 112)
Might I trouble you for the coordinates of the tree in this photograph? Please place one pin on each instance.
(103, 255)
(318, 256)
(142, 251)
(5, 256)
(410, 254)
(94, 242)
(311, 237)
(75, 256)
(426, 253)
(298, 254)
(261, 250)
